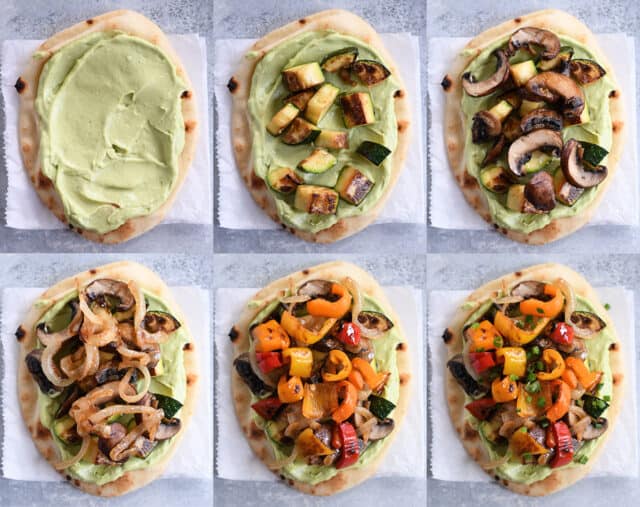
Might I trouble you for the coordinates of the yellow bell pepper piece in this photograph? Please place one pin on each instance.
(290, 391)
(522, 442)
(270, 336)
(533, 404)
(504, 390)
(553, 359)
(508, 328)
(301, 361)
(301, 334)
(334, 309)
(309, 445)
(337, 366)
(515, 360)
(320, 400)
(483, 337)
(550, 309)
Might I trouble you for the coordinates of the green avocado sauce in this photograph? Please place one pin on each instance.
(111, 128)
(267, 92)
(598, 131)
(171, 383)
(385, 360)
(597, 359)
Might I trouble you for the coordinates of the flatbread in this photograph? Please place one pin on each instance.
(562, 477)
(134, 24)
(558, 22)
(347, 477)
(240, 86)
(28, 389)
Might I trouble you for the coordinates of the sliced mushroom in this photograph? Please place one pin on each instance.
(315, 288)
(467, 382)
(485, 87)
(484, 126)
(541, 119)
(562, 90)
(141, 448)
(495, 151)
(160, 322)
(511, 128)
(588, 322)
(168, 428)
(99, 289)
(382, 429)
(595, 429)
(242, 364)
(528, 289)
(34, 365)
(576, 170)
(521, 149)
(374, 321)
(528, 36)
(585, 71)
(539, 194)
(116, 433)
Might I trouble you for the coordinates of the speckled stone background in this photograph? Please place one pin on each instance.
(469, 17)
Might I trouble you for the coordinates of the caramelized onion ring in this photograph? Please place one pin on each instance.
(61, 465)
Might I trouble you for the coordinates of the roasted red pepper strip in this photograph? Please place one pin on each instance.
(481, 361)
(481, 409)
(267, 408)
(349, 334)
(564, 445)
(269, 361)
(350, 450)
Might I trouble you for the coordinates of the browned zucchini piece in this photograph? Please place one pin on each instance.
(300, 99)
(370, 72)
(333, 139)
(302, 76)
(339, 59)
(284, 180)
(316, 200)
(282, 119)
(357, 109)
(300, 131)
(353, 186)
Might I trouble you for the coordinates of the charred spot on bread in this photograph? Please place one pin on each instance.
(232, 85)
(20, 85)
(446, 83)
(447, 335)
(233, 334)
(20, 333)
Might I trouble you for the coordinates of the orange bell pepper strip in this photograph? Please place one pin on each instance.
(349, 394)
(300, 361)
(550, 309)
(270, 336)
(563, 400)
(552, 357)
(569, 377)
(290, 391)
(517, 335)
(309, 445)
(483, 337)
(515, 360)
(334, 309)
(337, 366)
(504, 390)
(374, 380)
(355, 377)
(587, 378)
(301, 334)
(320, 400)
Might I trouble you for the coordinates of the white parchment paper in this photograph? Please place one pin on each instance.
(237, 209)
(20, 458)
(193, 204)
(450, 461)
(447, 206)
(235, 459)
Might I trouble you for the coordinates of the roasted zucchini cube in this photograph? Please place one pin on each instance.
(538, 161)
(373, 152)
(501, 110)
(557, 63)
(316, 200)
(65, 429)
(515, 198)
(283, 180)
(300, 131)
(282, 119)
(300, 99)
(333, 139)
(357, 109)
(319, 161)
(523, 71)
(529, 105)
(495, 179)
(352, 185)
(339, 59)
(321, 102)
(566, 193)
(302, 76)
(370, 72)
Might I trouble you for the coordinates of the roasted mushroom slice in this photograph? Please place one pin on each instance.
(484, 126)
(485, 87)
(467, 382)
(540, 196)
(34, 365)
(242, 364)
(585, 71)
(116, 433)
(595, 429)
(105, 290)
(382, 429)
(541, 119)
(160, 322)
(495, 151)
(577, 171)
(511, 128)
(528, 289)
(521, 149)
(530, 36)
(168, 428)
(588, 322)
(566, 193)
(315, 288)
(562, 90)
(376, 322)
